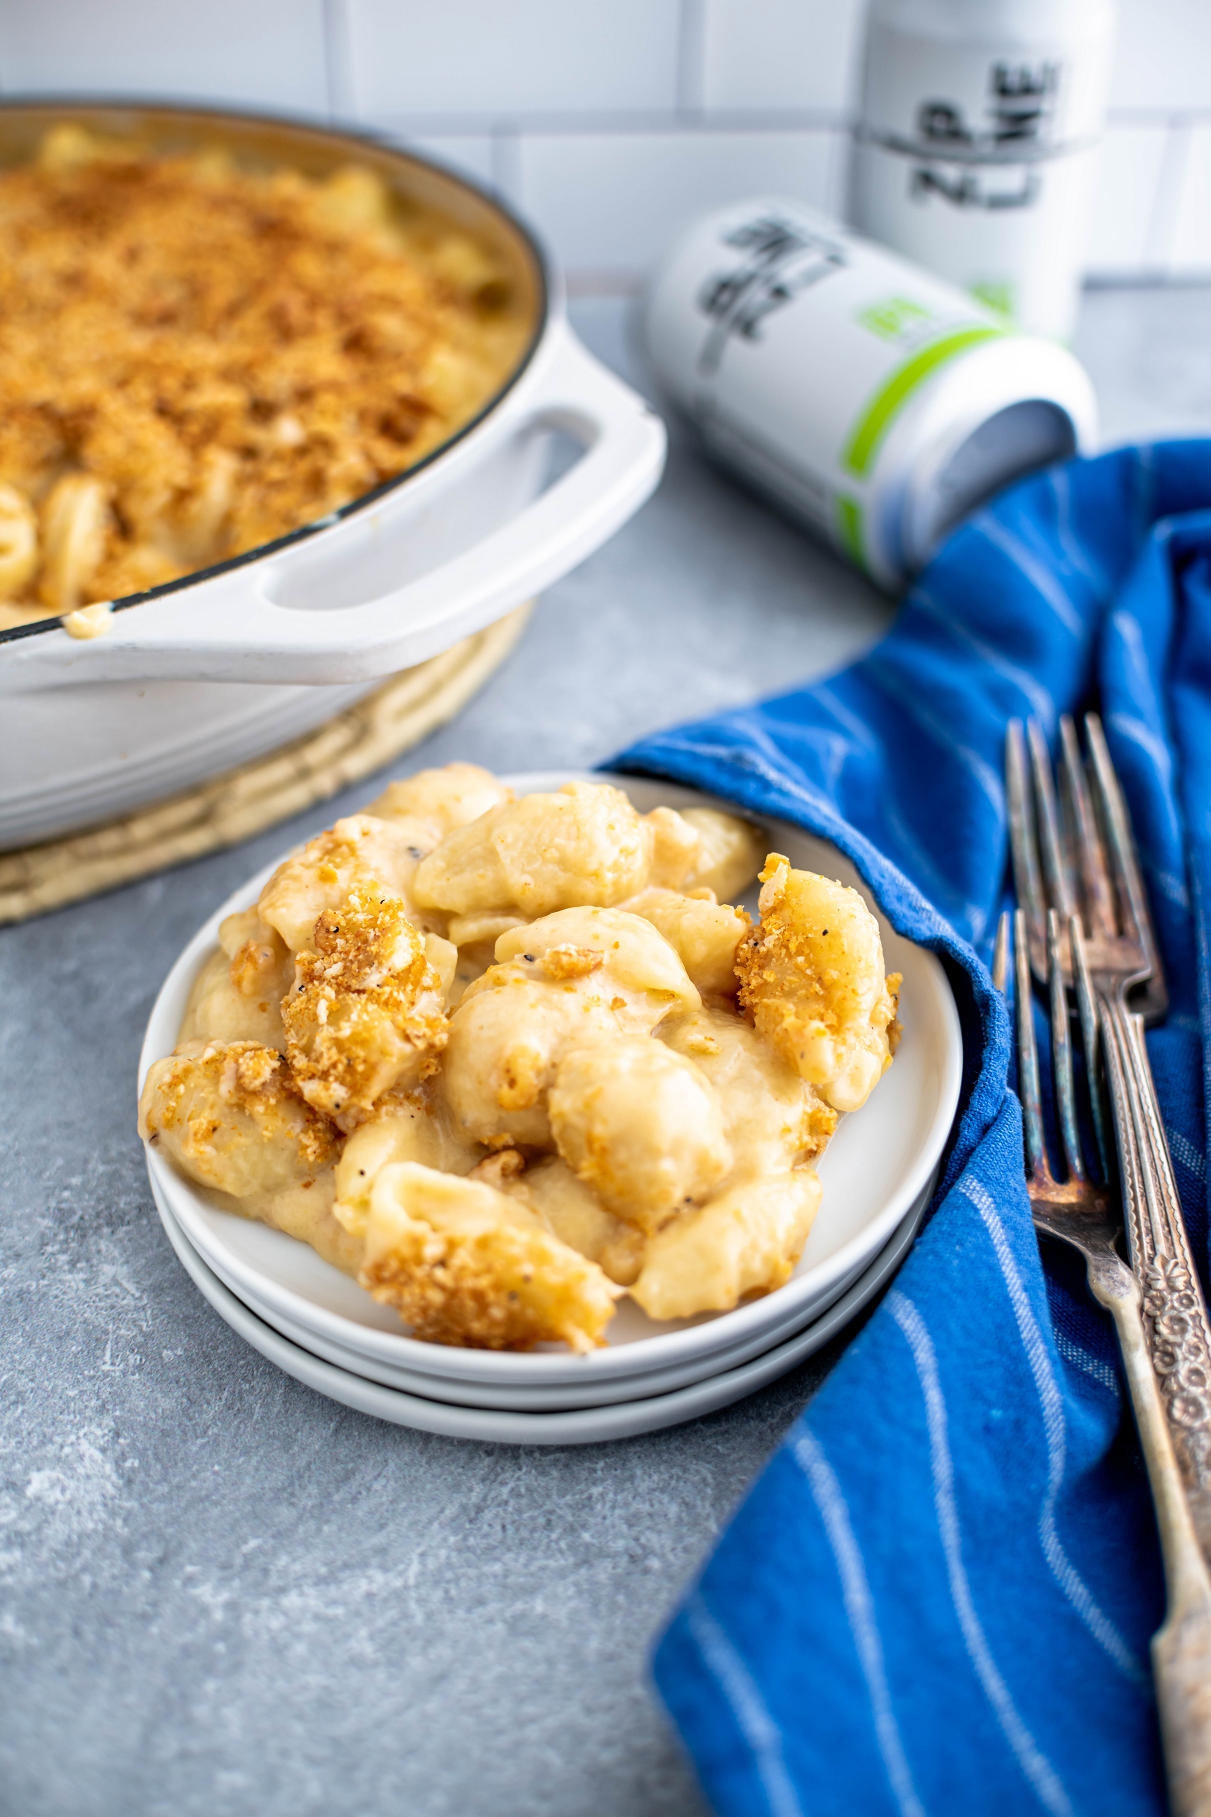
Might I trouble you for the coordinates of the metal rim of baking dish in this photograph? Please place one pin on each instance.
(358, 141)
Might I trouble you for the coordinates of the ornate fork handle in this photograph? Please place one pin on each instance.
(1082, 1212)
(1181, 1649)
(1174, 1315)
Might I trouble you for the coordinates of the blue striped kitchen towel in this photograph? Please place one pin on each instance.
(938, 1595)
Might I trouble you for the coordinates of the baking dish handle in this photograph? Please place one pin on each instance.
(235, 626)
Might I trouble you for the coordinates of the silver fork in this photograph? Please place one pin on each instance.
(1078, 857)
(1081, 1212)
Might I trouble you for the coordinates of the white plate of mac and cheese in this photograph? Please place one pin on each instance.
(547, 1092)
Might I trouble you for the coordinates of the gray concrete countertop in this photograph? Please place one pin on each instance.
(221, 1593)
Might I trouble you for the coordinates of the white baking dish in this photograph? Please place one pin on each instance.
(225, 665)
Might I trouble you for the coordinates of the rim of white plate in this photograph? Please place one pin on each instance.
(573, 1426)
(193, 1210)
(515, 1397)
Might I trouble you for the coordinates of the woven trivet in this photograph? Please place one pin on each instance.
(254, 796)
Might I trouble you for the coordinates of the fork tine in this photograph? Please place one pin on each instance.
(1028, 1053)
(1137, 922)
(1133, 900)
(1027, 878)
(1056, 874)
(1061, 1053)
(1000, 954)
(1099, 898)
(1089, 1040)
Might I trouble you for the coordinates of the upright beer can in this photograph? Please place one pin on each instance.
(977, 145)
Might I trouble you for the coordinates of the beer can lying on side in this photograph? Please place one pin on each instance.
(875, 402)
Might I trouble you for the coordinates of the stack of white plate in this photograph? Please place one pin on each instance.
(322, 1328)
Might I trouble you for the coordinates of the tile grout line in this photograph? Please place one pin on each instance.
(1156, 116)
(1162, 224)
(338, 59)
(608, 122)
(691, 60)
(839, 155)
(505, 155)
(688, 119)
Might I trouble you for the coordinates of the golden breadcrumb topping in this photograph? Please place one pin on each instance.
(811, 976)
(567, 961)
(367, 1009)
(196, 359)
(223, 1099)
(464, 1265)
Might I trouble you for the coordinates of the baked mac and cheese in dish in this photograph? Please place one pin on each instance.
(197, 358)
(504, 1060)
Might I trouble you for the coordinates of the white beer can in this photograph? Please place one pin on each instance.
(977, 144)
(874, 401)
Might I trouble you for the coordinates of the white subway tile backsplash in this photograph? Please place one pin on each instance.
(532, 56)
(782, 53)
(1125, 215)
(612, 203)
(270, 53)
(1163, 58)
(610, 121)
(1190, 253)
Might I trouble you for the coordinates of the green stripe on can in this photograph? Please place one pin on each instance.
(876, 419)
(849, 528)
